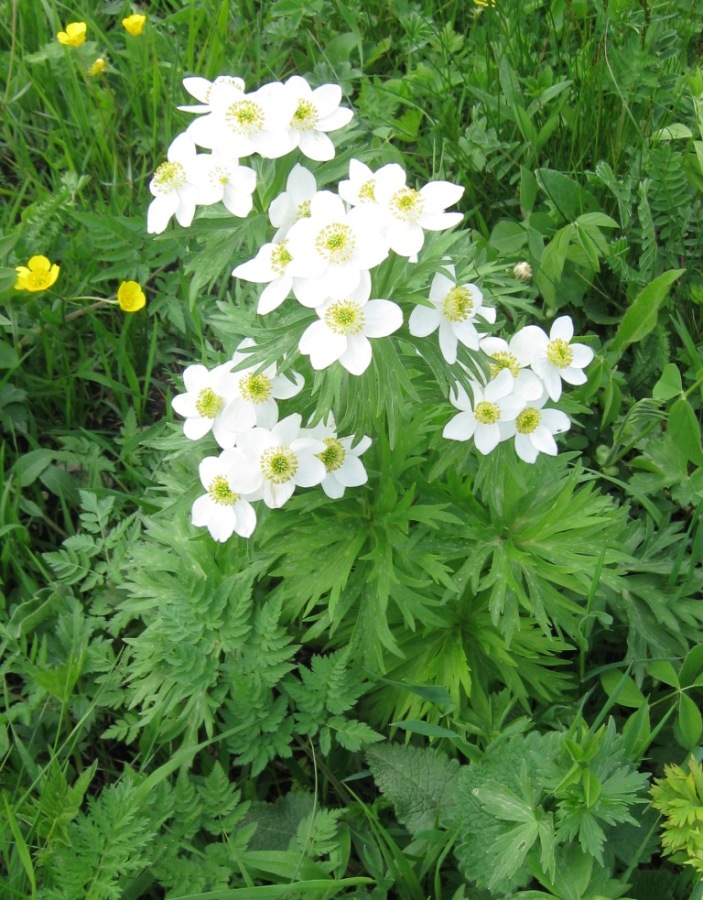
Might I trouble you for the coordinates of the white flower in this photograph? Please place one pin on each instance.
(515, 356)
(412, 212)
(225, 508)
(492, 404)
(555, 358)
(454, 308)
(280, 459)
(534, 428)
(248, 123)
(256, 392)
(317, 111)
(269, 267)
(344, 468)
(207, 394)
(346, 321)
(174, 190)
(360, 188)
(223, 177)
(212, 94)
(332, 247)
(294, 202)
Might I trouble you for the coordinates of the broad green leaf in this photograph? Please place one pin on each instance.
(663, 671)
(669, 384)
(682, 425)
(637, 733)
(508, 237)
(567, 195)
(504, 804)
(692, 666)
(30, 466)
(690, 722)
(675, 132)
(621, 688)
(641, 317)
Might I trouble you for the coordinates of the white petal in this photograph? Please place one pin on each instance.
(381, 318)
(275, 495)
(246, 518)
(582, 355)
(287, 429)
(201, 511)
(440, 221)
(525, 449)
(274, 294)
(160, 211)
(316, 145)
(222, 524)
(574, 376)
(336, 120)
(552, 382)
(461, 427)
(284, 387)
(357, 357)
(332, 488)
(352, 473)
(196, 428)
(528, 343)
(311, 471)
(562, 328)
(405, 239)
(322, 345)
(466, 333)
(424, 320)
(486, 438)
(447, 341)
(555, 420)
(542, 439)
(326, 99)
(438, 195)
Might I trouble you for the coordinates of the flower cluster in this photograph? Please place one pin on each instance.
(323, 252)
(76, 32)
(263, 458)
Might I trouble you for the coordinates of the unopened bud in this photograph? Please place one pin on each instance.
(522, 271)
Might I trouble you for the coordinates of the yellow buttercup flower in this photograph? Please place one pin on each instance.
(98, 67)
(134, 24)
(74, 35)
(130, 296)
(37, 275)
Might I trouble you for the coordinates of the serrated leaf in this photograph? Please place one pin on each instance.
(419, 782)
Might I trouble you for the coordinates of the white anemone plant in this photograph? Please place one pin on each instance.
(347, 256)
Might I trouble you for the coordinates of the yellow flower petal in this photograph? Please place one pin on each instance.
(134, 24)
(74, 35)
(130, 296)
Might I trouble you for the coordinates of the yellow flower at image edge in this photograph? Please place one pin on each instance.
(130, 296)
(74, 35)
(37, 275)
(134, 24)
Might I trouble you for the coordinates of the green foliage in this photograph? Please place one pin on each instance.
(679, 797)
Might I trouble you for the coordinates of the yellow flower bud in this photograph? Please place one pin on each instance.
(74, 35)
(98, 67)
(130, 296)
(522, 271)
(134, 24)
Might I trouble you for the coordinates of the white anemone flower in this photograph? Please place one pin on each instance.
(223, 177)
(249, 123)
(174, 188)
(555, 358)
(410, 212)
(317, 112)
(212, 94)
(294, 202)
(346, 322)
(534, 429)
(493, 404)
(256, 392)
(225, 508)
(344, 468)
(280, 459)
(454, 308)
(360, 188)
(515, 357)
(332, 247)
(206, 397)
(269, 267)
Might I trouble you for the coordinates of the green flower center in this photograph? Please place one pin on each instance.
(528, 420)
(255, 388)
(333, 454)
(305, 117)
(504, 360)
(280, 257)
(245, 117)
(279, 464)
(559, 353)
(345, 317)
(407, 204)
(303, 210)
(367, 191)
(335, 243)
(458, 304)
(169, 177)
(222, 493)
(209, 404)
(487, 413)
